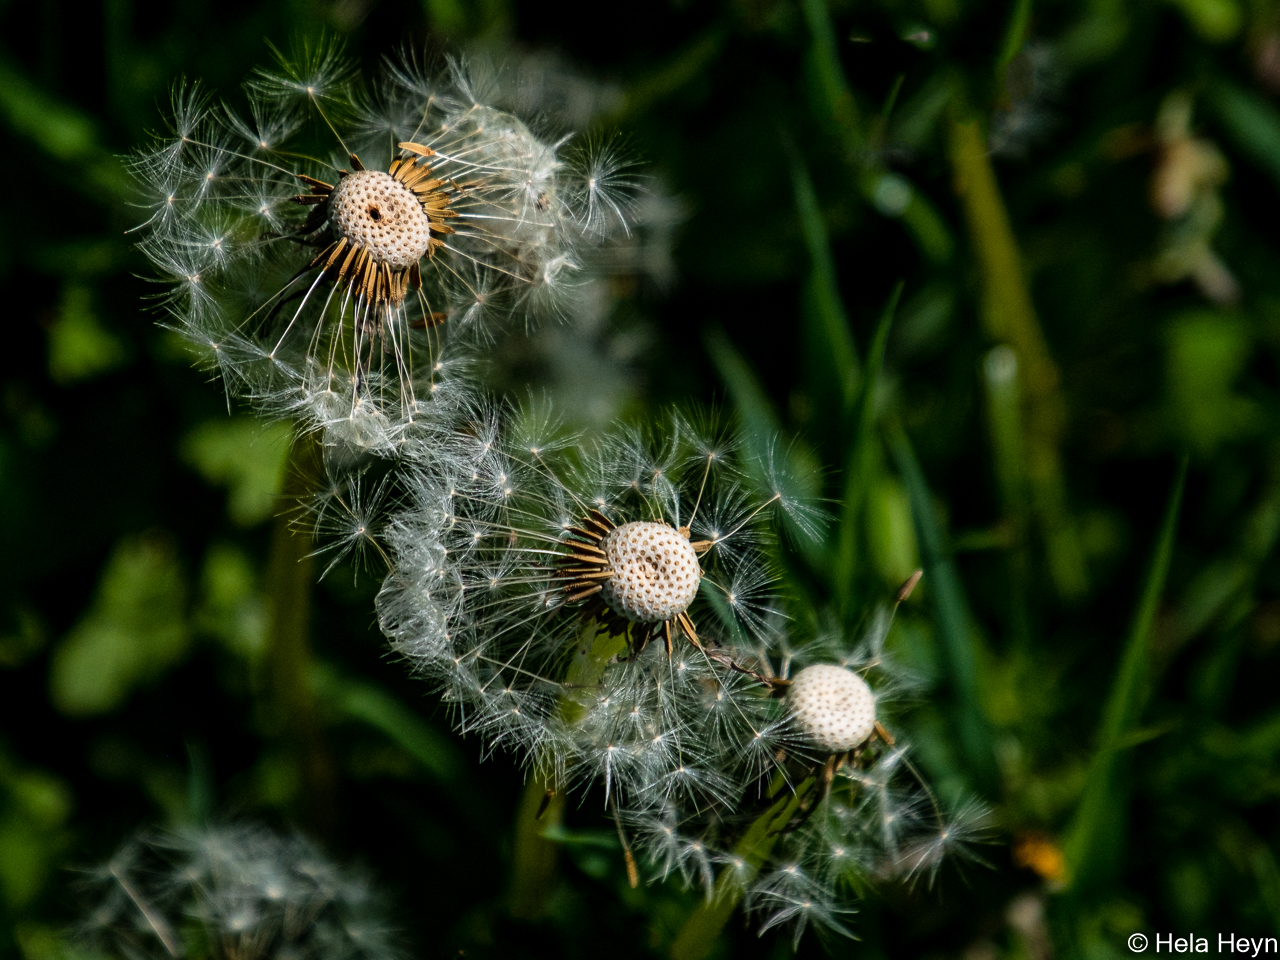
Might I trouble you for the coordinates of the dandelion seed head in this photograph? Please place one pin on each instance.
(834, 707)
(656, 572)
(376, 211)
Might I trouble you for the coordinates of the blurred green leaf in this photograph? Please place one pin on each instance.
(890, 534)
(80, 347)
(60, 130)
(1015, 34)
(231, 605)
(245, 456)
(34, 809)
(1251, 122)
(26, 637)
(133, 632)
(834, 100)
(1207, 352)
(1215, 20)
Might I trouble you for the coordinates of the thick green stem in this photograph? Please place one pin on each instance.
(703, 928)
(533, 867)
(292, 708)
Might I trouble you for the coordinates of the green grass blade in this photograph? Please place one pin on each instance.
(833, 94)
(835, 104)
(954, 623)
(1251, 122)
(438, 755)
(859, 465)
(1094, 839)
(759, 419)
(673, 76)
(762, 427)
(832, 355)
(1015, 36)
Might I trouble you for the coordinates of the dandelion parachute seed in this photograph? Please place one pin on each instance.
(331, 305)
(530, 588)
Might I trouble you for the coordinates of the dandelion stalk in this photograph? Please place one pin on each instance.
(289, 660)
(534, 858)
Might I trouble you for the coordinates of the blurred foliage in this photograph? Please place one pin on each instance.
(994, 266)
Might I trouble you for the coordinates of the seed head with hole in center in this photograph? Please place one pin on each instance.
(376, 211)
(422, 212)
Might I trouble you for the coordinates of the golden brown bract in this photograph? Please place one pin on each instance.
(642, 572)
(384, 223)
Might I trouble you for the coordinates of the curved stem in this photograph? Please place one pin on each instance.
(703, 928)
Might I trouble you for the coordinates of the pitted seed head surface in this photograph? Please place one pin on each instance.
(834, 707)
(655, 571)
(373, 209)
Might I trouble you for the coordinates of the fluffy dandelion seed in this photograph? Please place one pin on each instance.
(423, 213)
(531, 588)
(252, 893)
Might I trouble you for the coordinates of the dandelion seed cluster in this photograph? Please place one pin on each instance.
(238, 891)
(655, 571)
(834, 707)
(327, 245)
(604, 607)
(606, 612)
(374, 210)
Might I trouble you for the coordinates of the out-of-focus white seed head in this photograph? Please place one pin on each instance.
(833, 706)
(374, 210)
(655, 571)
